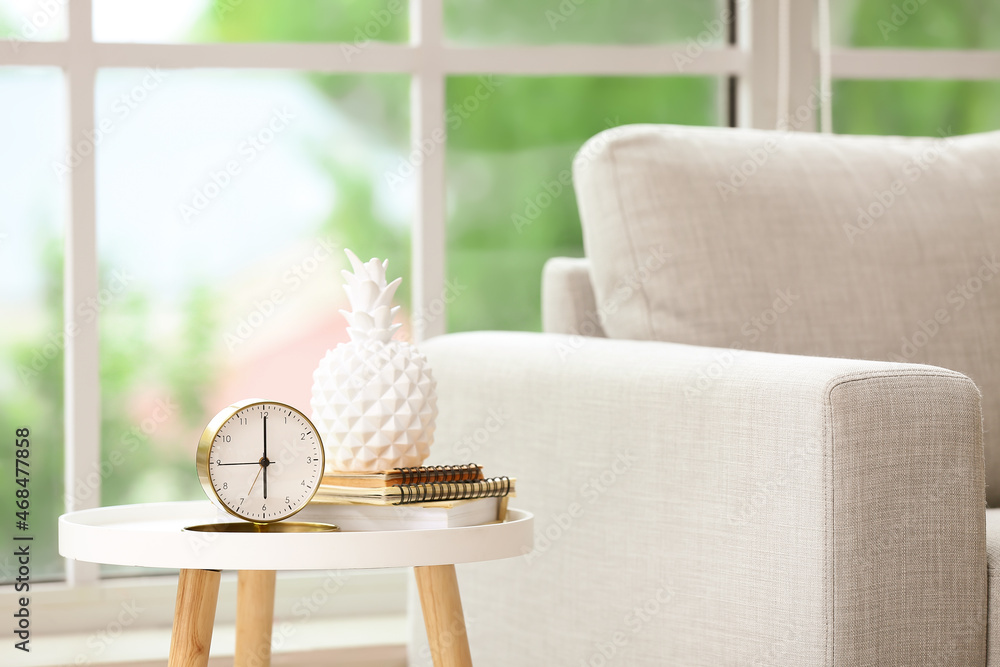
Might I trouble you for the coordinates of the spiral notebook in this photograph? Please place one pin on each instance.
(401, 476)
(406, 494)
(456, 514)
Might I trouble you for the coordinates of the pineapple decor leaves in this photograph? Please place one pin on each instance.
(373, 399)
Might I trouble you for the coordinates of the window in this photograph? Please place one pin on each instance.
(915, 67)
(32, 133)
(220, 153)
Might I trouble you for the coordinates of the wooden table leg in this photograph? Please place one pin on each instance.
(443, 618)
(254, 618)
(194, 617)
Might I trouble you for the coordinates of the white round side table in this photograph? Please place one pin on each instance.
(153, 535)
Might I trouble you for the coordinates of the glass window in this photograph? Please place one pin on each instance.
(915, 108)
(480, 22)
(165, 21)
(956, 24)
(225, 200)
(32, 337)
(511, 205)
(33, 20)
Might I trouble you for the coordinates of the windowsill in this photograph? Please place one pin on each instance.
(367, 641)
(353, 617)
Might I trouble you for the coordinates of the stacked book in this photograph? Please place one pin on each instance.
(410, 498)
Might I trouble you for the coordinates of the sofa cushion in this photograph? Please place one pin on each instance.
(993, 583)
(880, 248)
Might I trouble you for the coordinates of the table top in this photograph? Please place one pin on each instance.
(153, 535)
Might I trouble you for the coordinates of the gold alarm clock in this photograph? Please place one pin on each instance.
(261, 461)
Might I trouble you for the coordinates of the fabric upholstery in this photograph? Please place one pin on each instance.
(800, 243)
(696, 506)
(568, 304)
(993, 563)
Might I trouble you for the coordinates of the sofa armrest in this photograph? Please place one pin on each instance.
(701, 506)
(569, 305)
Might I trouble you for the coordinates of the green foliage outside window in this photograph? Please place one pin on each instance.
(509, 205)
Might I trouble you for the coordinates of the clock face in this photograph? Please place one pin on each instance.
(260, 460)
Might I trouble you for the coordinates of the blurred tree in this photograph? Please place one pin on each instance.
(33, 399)
(916, 107)
(510, 205)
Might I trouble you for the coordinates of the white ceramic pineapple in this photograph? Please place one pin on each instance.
(373, 399)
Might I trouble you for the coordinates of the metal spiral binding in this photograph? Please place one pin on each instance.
(467, 490)
(447, 473)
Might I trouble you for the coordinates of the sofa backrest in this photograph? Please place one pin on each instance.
(880, 248)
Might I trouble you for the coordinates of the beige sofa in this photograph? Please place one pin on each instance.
(737, 434)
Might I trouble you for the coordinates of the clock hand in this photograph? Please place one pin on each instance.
(264, 460)
(242, 463)
(254, 482)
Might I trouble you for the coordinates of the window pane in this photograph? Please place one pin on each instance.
(511, 143)
(956, 24)
(165, 21)
(915, 108)
(33, 20)
(33, 136)
(591, 22)
(224, 203)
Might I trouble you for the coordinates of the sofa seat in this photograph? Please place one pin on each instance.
(993, 579)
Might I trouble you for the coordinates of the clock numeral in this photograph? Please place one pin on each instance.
(303, 436)
(287, 501)
(263, 414)
(302, 483)
(309, 459)
(263, 508)
(243, 421)
(225, 485)
(241, 500)
(226, 438)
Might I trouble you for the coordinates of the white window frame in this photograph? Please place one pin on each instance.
(777, 59)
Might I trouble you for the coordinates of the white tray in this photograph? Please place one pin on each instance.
(153, 535)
